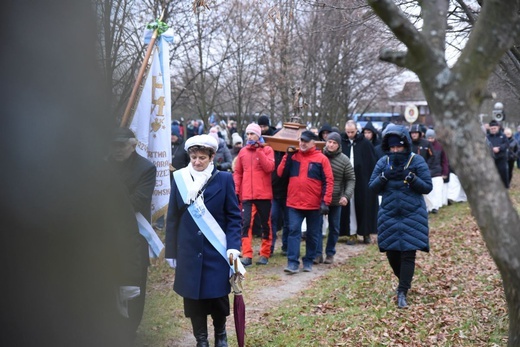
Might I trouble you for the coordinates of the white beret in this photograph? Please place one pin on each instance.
(201, 140)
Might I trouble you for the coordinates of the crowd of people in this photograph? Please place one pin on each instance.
(232, 187)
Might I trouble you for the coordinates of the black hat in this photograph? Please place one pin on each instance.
(308, 135)
(416, 128)
(395, 140)
(324, 128)
(263, 120)
(122, 135)
(494, 123)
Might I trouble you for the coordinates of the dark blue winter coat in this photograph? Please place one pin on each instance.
(202, 273)
(402, 223)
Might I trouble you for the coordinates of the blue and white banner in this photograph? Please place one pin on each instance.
(151, 122)
(154, 242)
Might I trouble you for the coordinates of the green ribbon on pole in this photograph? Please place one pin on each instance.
(158, 25)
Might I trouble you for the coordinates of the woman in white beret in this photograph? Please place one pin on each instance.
(202, 233)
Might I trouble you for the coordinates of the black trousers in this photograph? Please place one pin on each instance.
(501, 165)
(511, 166)
(403, 265)
(263, 210)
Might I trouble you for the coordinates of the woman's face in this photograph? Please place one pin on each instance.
(200, 160)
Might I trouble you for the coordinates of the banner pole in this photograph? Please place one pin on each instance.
(140, 75)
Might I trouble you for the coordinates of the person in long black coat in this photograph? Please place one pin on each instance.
(363, 157)
(138, 176)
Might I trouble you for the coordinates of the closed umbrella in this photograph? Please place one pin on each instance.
(239, 308)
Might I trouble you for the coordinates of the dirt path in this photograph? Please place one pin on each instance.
(284, 287)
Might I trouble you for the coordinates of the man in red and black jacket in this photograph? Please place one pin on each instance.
(308, 196)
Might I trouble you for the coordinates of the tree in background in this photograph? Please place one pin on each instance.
(455, 94)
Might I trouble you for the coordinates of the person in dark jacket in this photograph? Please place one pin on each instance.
(419, 144)
(223, 160)
(265, 126)
(360, 215)
(138, 176)
(371, 133)
(179, 156)
(279, 216)
(439, 171)
(344, 183)
(202, 233)
(325, 130)
(402, 178)
(499, 147)
(512, 154)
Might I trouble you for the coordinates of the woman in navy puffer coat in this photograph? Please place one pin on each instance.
(401, 177)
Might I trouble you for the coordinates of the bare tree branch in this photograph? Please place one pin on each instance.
(404, 30)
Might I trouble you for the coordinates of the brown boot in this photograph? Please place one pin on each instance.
(329, 259)
(352, 240)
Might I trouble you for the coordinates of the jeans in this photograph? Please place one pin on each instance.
(334, 221)
(403, 266)
(279, 218)
(296, 217)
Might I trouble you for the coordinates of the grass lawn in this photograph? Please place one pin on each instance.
(456, 298)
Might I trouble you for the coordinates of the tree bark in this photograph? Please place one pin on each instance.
(454, 96)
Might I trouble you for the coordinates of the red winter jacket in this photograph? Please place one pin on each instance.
(252, 173)
(310, 179)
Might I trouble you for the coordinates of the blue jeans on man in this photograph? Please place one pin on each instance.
(314, 219)
(279, 218)
(334, 218)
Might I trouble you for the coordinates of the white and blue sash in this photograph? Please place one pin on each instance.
(204, 219)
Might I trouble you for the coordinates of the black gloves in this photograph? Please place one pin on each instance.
(410, 177)
(324, 209)
(393, 174)
(290, 151)
(398, 174)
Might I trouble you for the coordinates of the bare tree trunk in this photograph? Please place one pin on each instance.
(454, 96)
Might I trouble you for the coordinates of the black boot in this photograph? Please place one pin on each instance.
(219, 322)
(401, 300)
(200, 330)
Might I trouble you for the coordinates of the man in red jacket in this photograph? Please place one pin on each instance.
(252, 176)
(308, 196)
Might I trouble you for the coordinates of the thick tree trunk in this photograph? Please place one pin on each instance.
(454, 96)
(459, 130)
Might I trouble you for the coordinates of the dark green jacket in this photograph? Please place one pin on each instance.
(344, 177)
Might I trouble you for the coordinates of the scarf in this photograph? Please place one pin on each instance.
(199, 179)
